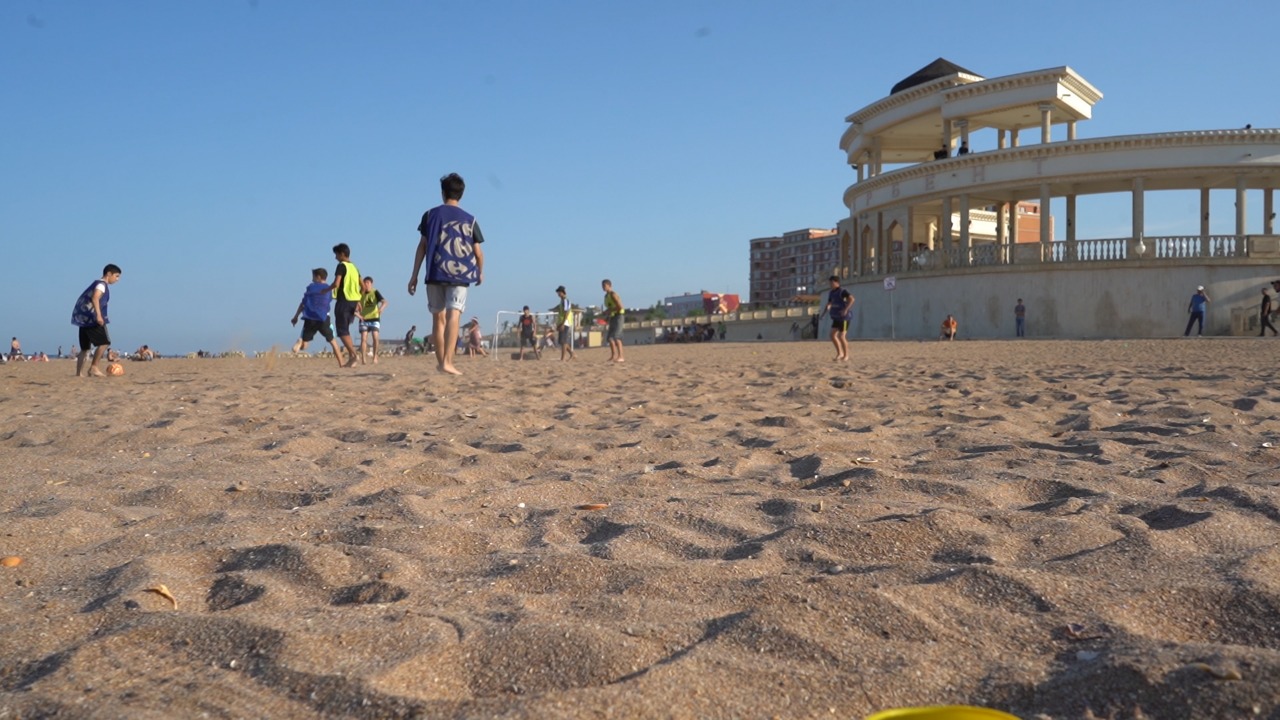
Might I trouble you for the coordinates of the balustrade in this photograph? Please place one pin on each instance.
(1174, 247)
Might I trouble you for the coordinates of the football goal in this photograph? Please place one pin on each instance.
(506, 332)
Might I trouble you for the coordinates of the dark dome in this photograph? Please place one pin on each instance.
(939, 68)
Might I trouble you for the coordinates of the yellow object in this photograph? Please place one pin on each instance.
(942, 712)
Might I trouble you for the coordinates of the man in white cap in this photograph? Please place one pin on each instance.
(1196, 308)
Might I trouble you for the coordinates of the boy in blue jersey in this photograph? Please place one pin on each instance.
(449, 240)
(839, 305)
(90, 315)
(314, 310)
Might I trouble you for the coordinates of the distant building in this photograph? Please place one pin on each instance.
(798, 263)
(681, 305)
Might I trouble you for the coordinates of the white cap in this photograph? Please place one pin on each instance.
(1199, 287)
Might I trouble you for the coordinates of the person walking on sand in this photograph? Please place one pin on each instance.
(529, 333)
(949, 329)
(15, 349)
(372, 304)
(346, 299)
(839, 305)
(314, 310)
(1264, 315)
(613, 312)
(1020, 318)
(1196, 308)
(564, 323)
(449, 241)
(90, 315)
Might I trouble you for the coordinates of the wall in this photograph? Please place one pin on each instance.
(1129, 299)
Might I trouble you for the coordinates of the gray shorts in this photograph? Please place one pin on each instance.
(615, 328)
(370, 325)
(446, 297)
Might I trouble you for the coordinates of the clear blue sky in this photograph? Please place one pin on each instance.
(216, 150)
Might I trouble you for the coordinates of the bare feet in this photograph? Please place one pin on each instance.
(95, 372)
(449, 369)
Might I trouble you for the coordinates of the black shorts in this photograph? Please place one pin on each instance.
(95, 336)
(528, 338)
(839, 325)
(344, 312)
(311, 327)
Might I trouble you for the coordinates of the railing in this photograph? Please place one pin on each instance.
(1176, 247)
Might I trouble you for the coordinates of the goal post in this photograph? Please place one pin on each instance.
(506, 330)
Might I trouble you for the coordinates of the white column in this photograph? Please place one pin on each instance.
(1013, 231)
(1071, 130)
(1204, 222)
(1268, 212)
(1046, 231)
(857, 249)
(882, 244)
(910, 234)
(1046, 122)
(1000, 139)
(1013, 137)
(1002, 239)
(906, 242)
(1071, 227)
(964, 133)
(944, 222)
(1139, 219)
(966, 246)
(1240, 206)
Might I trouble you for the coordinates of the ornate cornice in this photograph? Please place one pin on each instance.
(1169, 141)
(911, 95)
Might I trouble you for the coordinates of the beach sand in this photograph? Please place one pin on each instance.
(1052, 528)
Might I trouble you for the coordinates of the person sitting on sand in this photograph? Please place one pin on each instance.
(144, 353)
(949, 329)
(475, 339)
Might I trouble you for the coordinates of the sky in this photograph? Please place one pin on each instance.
(217, 150)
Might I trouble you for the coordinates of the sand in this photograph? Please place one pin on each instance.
(1055, 529)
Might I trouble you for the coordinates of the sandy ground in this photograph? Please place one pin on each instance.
(1055, 529)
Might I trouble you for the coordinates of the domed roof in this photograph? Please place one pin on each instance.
(939, 68)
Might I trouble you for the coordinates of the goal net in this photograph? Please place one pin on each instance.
(506, 332)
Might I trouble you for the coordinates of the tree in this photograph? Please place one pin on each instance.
(657, 312)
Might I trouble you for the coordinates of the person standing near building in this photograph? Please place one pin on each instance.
(839, 305)
(449, 242)
(1264, 315)
(1196, 308)
(1020, 318)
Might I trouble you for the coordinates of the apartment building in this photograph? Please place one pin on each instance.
(797, 263)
